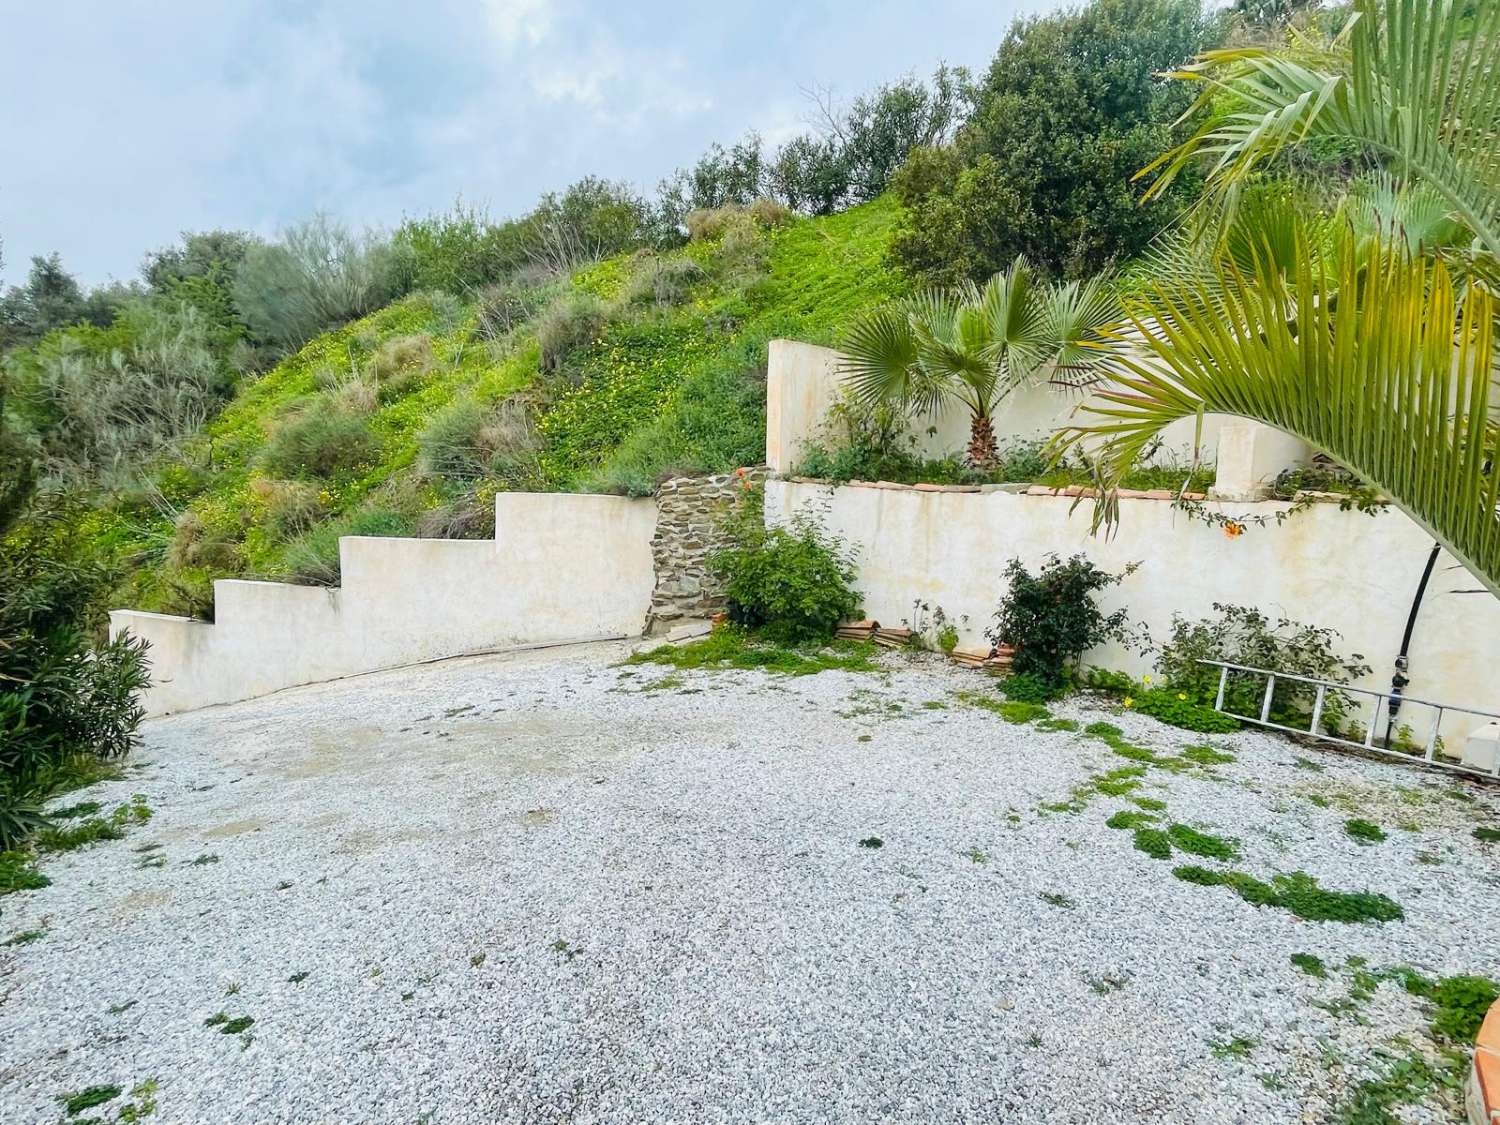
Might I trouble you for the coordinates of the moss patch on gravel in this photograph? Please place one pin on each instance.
(1299, 894)
(736, 648)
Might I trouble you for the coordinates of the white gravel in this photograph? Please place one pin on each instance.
(522, 889)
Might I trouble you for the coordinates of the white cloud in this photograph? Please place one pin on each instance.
(515, 22)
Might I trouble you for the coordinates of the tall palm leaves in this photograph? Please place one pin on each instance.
(974, 346)
(1378, 358)
(1414, 82)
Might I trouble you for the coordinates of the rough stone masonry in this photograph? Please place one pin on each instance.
(689, 511)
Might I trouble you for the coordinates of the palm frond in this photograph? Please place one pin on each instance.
(1378, 358)
(1418, 87)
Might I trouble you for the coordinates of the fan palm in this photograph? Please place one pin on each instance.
(974, 346)
(1369, 335)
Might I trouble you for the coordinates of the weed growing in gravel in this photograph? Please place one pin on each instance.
(1202, 843)
(1239, 1047)
(1154, 842)
(1319, 800)
(297, 978)
(83, 808)
(1205, 755)
(25, 937)
(1119, 783)
(1057, 725)
(87, 1098)
(228, 1025)
(1061, 901)
(1150, 804)
(1462, 1002)
(143, 1104)
(95, 829)
(17, 874)
(1011, 710)
(975, 855)
(1363, 831)
(872, 842)
(476, 960)
(736, 648)
(121, 1009)
(564, 950)
(1129, 821)
(1310, 964)
(1308, 764)
(1298, 893)
(1487, 835)
(934, 705)
(1108, 983)
(1407, 1080)
(667, 683)
(204, 860)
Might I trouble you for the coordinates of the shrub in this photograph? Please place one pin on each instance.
(400, 362)
(661, 281)
(459, 250)
(105, 403)
(1244, 635)
(1051, 617)
(317, 275)
(318, 441)
(314, 558)
(504, 306)
(797, 582)
(61, 698)
(197, 542)
(573, 321)
(288, 507)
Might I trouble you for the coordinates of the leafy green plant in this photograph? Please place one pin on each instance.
(1363, 831)
(796, 582)
(1176, 709)
(1028, 687)
(1299, 894)
(730, 646)
(1051, 617)
(1244, 635)
(1310, 964)
(1462, 1003)
(321, 441)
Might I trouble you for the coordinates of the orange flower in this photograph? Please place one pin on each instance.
(1234, 529)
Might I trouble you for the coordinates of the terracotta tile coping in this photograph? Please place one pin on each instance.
(1071, 491)
(1484, 1084)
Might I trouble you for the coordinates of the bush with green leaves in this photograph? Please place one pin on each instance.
(570, 323)
(1176, 709)
(1244, 635)
(63, 697)
(317, 275)
(795, 582)
(1051, 617)
(320, 441)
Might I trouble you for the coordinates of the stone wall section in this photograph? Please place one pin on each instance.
(689, 512)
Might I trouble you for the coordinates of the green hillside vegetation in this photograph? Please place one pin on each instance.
(409, 420)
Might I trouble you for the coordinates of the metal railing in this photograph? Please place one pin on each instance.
(1379, 707)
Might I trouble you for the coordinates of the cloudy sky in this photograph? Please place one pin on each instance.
(129, 121)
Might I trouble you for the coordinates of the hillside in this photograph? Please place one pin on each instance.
(409, 420)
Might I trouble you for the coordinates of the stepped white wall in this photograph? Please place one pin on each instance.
(561, 568)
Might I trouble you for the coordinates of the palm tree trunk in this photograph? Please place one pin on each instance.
(983, 452)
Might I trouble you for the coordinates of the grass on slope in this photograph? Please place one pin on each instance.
(326, 443)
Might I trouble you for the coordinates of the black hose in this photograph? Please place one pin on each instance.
(1399, 678)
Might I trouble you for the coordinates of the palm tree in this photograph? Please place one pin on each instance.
(1368, 335)
(974, 346)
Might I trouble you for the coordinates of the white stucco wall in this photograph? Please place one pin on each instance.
(1342, 570)
(803, 382)
(561, 568)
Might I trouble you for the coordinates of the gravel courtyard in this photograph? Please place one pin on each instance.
(546, 887)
